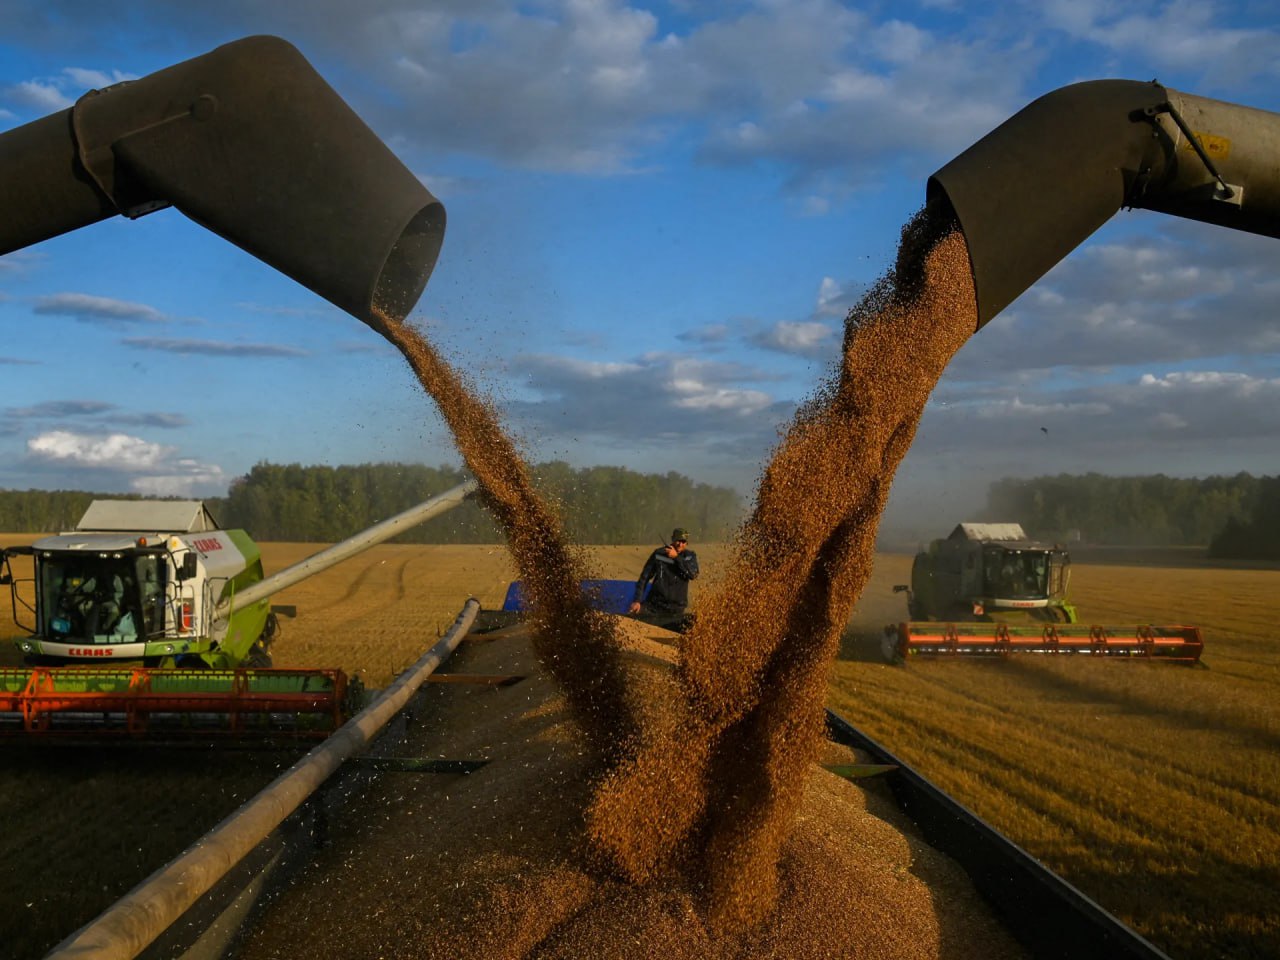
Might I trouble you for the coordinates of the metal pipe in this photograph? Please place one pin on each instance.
(249, 141)
(318, 562)
(126, 928)
(1038, 185)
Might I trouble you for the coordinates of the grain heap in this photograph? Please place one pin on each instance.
(714, 789)
(729, 775)
(490, 865)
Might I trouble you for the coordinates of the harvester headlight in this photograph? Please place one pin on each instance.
(28, 646)
(168, 648)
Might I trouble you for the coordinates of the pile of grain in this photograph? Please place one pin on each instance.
(713, 790)
(728, 777)
(492, 865)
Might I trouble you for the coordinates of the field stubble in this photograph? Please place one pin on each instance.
(1155, 788)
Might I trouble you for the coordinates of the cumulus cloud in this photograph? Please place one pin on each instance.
(213, 348)
(658, 401)
(116, 451)
(1189, 292)
(38, 96)
(805, 338)
(1136, 424)
(51, 94)
(88, 308)
(602, 86)
(1192, 35)
(151, 469)
(189, 478)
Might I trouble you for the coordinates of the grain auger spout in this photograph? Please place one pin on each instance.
(250, 142)
(1038, 185)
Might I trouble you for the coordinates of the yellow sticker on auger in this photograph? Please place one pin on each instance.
(1218, 148)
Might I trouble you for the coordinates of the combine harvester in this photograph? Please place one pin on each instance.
(989, 590)
(150, 620)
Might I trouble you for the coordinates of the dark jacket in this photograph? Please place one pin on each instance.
(670, 578)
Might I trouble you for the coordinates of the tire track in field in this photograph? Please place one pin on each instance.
(354, 586)
(1113, 736)
(1005, 731)
(1239, 802)
(1188, 713)
(1052, 811)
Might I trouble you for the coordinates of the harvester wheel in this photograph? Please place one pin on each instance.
(259, 657)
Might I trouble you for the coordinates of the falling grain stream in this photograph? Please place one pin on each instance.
(707, 800)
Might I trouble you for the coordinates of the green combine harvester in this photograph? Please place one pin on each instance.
(987, 589)
(150, 619)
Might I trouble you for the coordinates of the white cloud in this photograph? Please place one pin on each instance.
(116, 451)
(95, 79)
(1005, 409)
(39, 97)
(1183, 35)
(151, 469)
(199, 480)
(806, 338)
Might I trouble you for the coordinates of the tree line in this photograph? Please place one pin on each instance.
(1236, 516)
(292, 502)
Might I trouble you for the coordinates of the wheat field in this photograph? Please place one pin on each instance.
(1154, 788)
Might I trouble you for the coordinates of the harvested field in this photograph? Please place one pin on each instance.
(1155, 788)
(1152, 787)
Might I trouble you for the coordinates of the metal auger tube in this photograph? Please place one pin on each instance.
(1038, 185)
(345, 549)
(249, 142)
(137, 919)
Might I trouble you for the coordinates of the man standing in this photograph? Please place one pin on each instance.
(669, 569)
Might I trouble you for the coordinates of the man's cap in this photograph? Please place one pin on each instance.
(679, 533)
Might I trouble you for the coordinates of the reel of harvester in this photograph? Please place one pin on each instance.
(1170, 644)
(152, 703)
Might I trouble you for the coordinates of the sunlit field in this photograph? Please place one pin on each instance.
(1154, 788)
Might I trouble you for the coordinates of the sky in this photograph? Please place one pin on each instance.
(658, 217)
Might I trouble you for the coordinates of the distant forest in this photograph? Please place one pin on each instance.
(600, 505)
(1236, 517)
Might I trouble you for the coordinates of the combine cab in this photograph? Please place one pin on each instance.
(988, 590)
(139, 581)
(990, 571)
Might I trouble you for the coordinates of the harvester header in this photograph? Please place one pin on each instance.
(987, 589)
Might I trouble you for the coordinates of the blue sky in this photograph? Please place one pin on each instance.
(658, 216)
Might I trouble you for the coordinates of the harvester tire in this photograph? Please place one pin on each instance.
(259, 658)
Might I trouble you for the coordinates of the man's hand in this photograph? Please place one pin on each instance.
(634, 608)
(672, 552)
